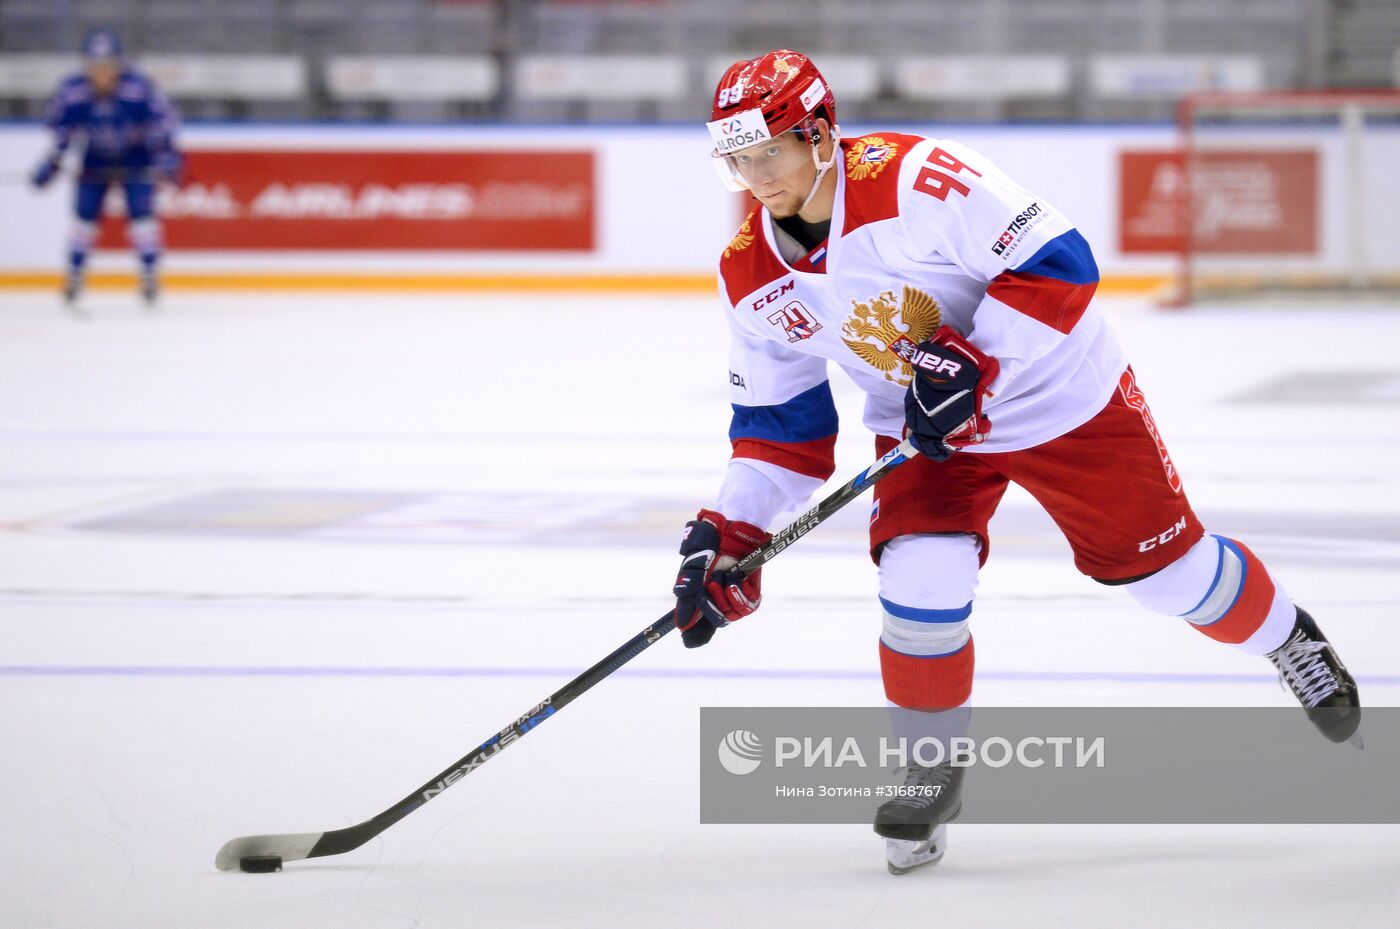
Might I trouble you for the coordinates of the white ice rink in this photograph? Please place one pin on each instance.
(269, 562)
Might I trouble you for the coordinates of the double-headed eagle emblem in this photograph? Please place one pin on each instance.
(742, 239)
(868, 156)
(885, 331)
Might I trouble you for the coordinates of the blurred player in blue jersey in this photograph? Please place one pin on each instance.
(127, 131)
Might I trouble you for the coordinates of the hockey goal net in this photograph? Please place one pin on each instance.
(1288, 195)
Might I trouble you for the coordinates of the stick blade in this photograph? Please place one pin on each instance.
(289, 847)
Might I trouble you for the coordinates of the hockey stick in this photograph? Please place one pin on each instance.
(16, 178)
(299, 845)
(90, 176)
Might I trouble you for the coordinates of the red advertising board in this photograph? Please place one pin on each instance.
(464, 200)
(1243, 201)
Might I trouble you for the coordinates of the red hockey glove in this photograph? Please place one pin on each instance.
(943, 407)
(709, 593)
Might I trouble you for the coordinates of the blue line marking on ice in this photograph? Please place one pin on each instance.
(308, 436)
(836, 674)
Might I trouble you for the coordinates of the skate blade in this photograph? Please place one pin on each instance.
(897, 870)
(902, 856)
(1356, 741)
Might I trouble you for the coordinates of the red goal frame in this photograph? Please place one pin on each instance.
(1349, 107)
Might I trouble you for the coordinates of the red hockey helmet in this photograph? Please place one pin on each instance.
(784, 85)
(761, 98)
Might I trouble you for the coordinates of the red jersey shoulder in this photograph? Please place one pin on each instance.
(872, 165)
(748, 261)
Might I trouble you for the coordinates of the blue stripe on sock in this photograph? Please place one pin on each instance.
(1239, 591)
(1244, 576)
(921, 657)
(927, 616)
(1219, 568)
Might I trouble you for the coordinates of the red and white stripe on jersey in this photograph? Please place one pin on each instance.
(798, 434)
(1054, 286)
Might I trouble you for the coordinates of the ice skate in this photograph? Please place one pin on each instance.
(72, 286)
(902, 856)
(1309, 666)
(72, 290)
(913, 825)
(149, 287)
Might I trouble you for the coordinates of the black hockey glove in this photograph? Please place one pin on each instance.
(709, 593)
(943, 407)
(45, 171)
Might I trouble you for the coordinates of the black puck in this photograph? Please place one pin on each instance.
(260, 864)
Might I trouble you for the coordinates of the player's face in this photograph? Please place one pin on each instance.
(780, 172)
(103, 75)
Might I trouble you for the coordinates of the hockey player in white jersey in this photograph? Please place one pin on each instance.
(962, 304)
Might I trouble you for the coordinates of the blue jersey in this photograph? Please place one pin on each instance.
(128, 129)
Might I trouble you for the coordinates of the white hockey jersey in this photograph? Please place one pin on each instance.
(924, 233)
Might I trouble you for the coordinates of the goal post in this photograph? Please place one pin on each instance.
(1285, 195)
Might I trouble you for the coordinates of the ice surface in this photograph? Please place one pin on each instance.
(269, 562)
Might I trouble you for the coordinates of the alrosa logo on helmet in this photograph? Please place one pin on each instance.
(735, 132)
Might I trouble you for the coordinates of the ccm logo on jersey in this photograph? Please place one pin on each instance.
(934, 364)
(773, 295)
(1162, 538)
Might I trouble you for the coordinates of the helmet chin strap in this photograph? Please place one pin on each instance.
(823, 166)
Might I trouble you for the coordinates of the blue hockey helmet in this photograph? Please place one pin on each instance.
(102, 45)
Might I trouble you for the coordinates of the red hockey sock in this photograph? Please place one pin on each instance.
(1239, 601)
(927, 682)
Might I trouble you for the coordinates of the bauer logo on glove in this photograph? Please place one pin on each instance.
(943, 407)
(935, 364)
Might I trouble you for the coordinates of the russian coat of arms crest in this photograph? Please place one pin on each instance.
(884, 330)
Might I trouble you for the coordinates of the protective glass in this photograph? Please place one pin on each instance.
(770, 159)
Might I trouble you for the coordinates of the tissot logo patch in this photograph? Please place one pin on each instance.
(1022, 223)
